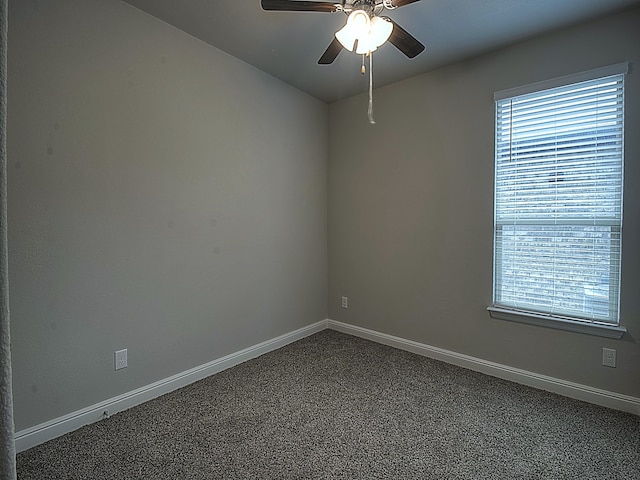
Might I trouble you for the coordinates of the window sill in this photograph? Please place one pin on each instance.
(541, 320)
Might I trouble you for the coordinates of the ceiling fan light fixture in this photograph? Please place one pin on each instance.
(357, 28)
(380, 31)
(365, 46)
(360, 23)
(346, 37)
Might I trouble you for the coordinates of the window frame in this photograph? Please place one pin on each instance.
(538, 318)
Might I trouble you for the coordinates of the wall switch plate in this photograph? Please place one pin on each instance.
(345, 302)
(121, 359)
(609, 357)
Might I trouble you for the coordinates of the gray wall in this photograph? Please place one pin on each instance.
(410, 208)
(163, 197)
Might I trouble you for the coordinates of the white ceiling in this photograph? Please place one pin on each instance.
(287, 45)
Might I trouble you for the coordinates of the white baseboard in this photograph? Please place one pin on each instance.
(586, 393)
(38, 434)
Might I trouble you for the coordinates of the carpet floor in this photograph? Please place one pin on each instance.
(333, 406)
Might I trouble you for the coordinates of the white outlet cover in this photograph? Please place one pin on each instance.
(121, 359)
(609, 357)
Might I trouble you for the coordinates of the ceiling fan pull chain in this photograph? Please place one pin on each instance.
(371, 120)
(363, 70)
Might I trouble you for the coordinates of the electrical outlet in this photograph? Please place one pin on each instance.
(345, 302)
(609, 357)
(121, 359)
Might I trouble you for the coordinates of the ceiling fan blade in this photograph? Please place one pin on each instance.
(404, 41)
(299, 6)
(402, 3)
(331, 53)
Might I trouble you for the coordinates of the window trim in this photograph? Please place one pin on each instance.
(549, 320)
(617, 69)
(559, 323)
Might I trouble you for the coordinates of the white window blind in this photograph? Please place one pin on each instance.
(558, 201)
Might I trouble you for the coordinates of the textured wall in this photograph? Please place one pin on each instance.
(164, 197)
(7, 445)
(411, 208)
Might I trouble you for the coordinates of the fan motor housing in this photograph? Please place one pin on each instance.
(369, 6)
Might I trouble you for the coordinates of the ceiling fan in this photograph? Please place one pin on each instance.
(366, 29)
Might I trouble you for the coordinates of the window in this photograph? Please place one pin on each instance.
(558, 201)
